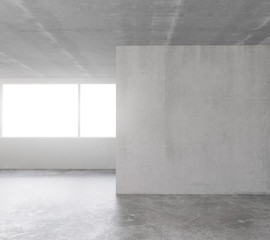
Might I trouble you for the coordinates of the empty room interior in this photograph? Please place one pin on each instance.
(135, 120)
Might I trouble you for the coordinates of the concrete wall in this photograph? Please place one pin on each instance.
(57, 153)
(193, 119)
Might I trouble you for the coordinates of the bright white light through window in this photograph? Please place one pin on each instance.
(40, 110)
(98, 110)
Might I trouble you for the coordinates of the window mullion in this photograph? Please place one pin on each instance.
(79, 110)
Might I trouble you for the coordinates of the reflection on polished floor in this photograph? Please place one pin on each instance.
(80, 205)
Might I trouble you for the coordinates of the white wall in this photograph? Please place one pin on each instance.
(57, 153)
(193, 119)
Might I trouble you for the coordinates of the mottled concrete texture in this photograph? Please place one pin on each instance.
(77, 38)
(193, 119)
(82, 205)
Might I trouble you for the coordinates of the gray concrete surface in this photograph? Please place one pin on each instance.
(57, 153)
(82, 205)
(77, 38)
(193, 119)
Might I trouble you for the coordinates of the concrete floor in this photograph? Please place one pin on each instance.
(82, 205)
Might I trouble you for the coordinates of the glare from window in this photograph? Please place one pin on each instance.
(40, 110)
(98, 110)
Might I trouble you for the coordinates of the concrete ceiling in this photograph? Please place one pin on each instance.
(77, 38)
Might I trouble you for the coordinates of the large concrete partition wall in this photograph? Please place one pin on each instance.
(193, 119)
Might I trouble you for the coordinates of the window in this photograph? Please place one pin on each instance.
(97, 110)
(54, 110)
(48, 110)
